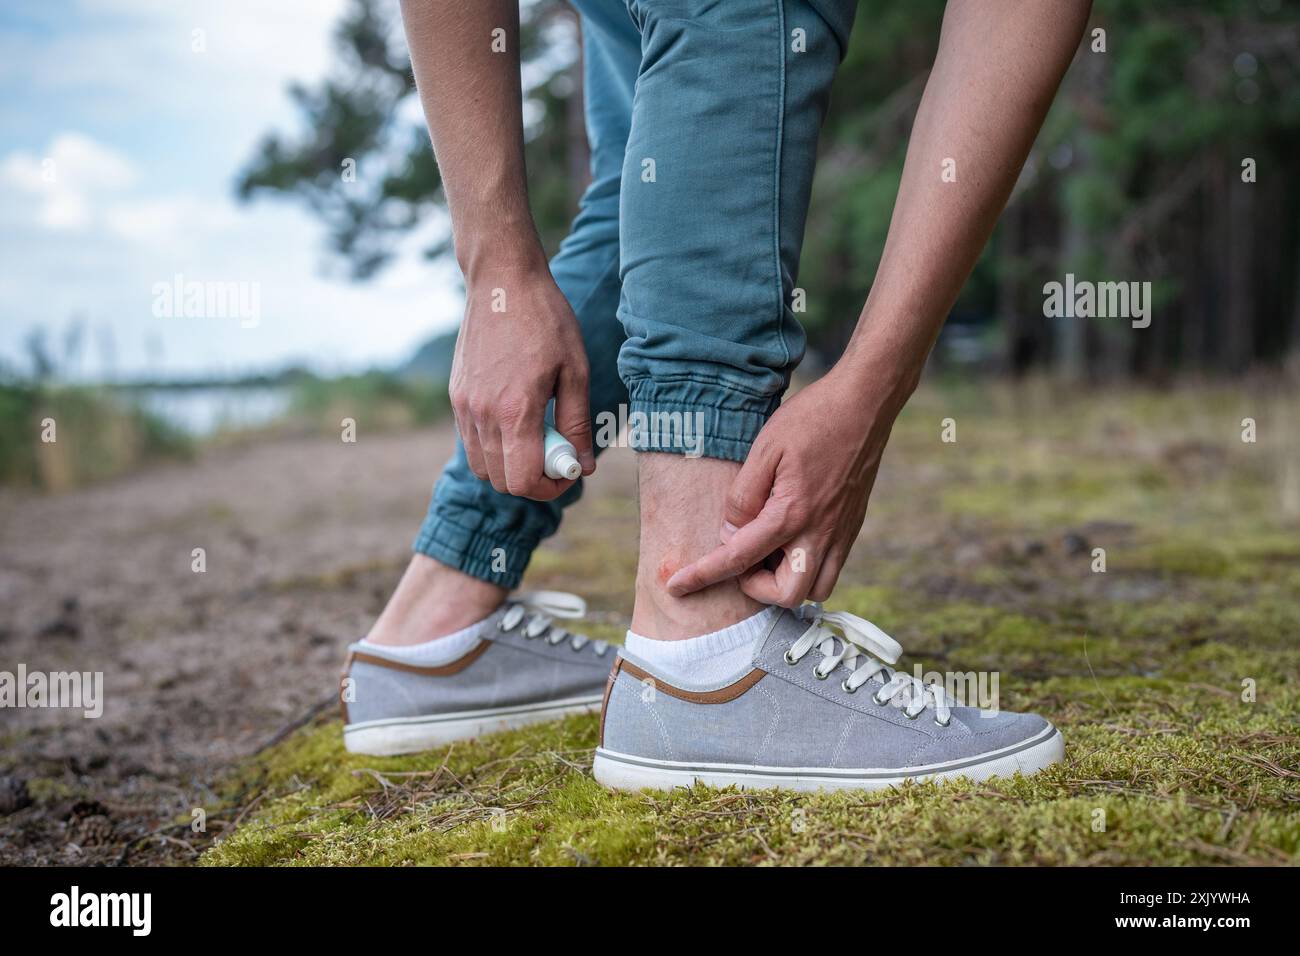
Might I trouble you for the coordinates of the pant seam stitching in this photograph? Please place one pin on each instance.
(695, 406)
(776, 184)
(480, 530)
(692, 378)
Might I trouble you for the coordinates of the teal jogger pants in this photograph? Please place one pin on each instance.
(702, 118)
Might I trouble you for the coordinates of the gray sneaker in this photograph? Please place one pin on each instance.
(819, 710)
(524, 669)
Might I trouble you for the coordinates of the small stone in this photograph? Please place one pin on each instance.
(1025, 549)
(13, 795)
(81, 809)
(94, 830)
(1076, 543)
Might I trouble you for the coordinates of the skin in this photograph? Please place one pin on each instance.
(682, 501)
(433, 600)
(787, 518)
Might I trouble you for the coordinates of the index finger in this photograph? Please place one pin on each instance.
(746, 548)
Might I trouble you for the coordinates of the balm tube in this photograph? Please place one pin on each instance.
(560, 457)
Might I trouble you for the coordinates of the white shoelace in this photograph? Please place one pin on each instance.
(540, 607)
(858, 639)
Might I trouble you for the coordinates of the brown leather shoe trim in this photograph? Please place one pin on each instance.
(443, 670)
(609, 689)
(347, 669)
(720, 696)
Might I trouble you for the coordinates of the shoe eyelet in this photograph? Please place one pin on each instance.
(945, 723)
(791, 660)
(875, 699)
(911, 716)
(817, 672)
(844, 686)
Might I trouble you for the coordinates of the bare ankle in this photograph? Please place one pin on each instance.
(681, 515)
(659, 615)
(433, 600)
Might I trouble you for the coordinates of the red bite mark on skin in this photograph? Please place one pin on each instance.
(667, 568)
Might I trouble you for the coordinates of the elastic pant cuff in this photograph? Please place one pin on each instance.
(483, 553)
(695, 419)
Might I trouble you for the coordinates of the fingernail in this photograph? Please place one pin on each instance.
(728, 529)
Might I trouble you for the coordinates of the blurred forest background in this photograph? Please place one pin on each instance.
(1168, 157)
(1137, 176)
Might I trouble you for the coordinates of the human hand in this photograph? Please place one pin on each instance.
(798, 502)
(507, 366)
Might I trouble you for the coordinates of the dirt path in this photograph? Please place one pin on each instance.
(303, 540)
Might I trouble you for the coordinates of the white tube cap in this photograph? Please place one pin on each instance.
(567, 466)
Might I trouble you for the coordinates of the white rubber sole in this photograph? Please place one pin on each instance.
(628, 772)
(405, 735)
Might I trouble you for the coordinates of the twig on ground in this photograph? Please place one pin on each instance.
(315, 711)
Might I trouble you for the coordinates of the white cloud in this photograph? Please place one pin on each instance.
(168, 219)
(119, 49)
(68, 178)
(146, 137)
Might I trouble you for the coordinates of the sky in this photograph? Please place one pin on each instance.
(121, 134)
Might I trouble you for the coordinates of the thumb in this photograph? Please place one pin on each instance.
(573, 416)
(749, 490)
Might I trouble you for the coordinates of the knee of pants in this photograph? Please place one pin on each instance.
(716, 182)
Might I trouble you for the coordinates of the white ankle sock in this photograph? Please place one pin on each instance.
(440, 650)
(710, 658)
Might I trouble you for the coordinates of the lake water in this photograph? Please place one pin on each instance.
(200, 412)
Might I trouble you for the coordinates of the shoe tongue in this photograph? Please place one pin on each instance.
(792, 624)
(807, 612)
(833, 642)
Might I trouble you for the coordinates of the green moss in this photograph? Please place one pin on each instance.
(1173, 778)
(1178, 769)
(880, 604)
(1173, 675)
(1271, 619)
(45, 790)
(1178, 558)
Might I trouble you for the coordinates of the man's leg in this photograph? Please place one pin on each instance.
(715, 193)
(681, 503)
(709, 688)
(450, 658)
(476, 542)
